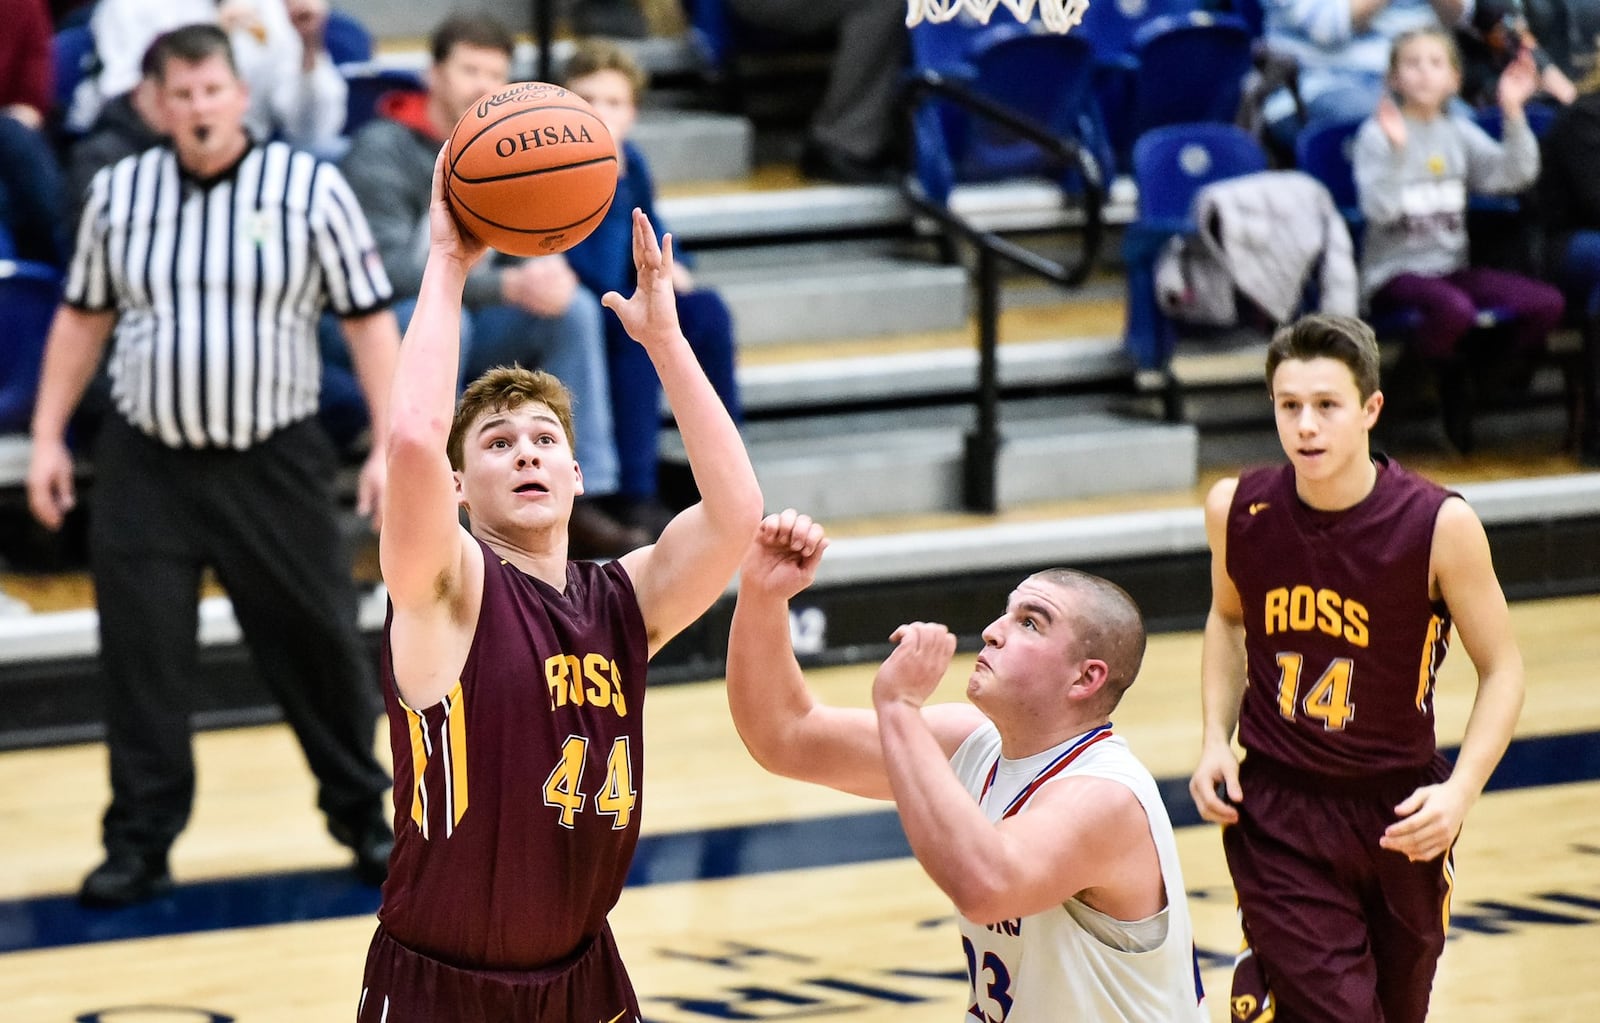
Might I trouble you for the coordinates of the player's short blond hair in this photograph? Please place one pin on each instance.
(503, 389)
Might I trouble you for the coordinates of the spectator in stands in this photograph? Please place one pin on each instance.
(852, 134)
(129, 123)
(296, 93)
(1341, 47)
(1415, 164)
(213, 458)
(1568, 30)
(1497, 33)
(611, 81)
(1569, 199)
(527, 311)
(32, 192)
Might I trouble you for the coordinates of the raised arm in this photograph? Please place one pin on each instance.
(681, 574)
(782, 724)
(427, 558)
(1511, 164)
(1464, 571)
(1223, 671)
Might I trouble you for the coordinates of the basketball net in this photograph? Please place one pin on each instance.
(1056, 15)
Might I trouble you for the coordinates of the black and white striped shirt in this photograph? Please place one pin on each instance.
(218, 285)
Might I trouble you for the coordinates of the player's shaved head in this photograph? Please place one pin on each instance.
(1106, 625)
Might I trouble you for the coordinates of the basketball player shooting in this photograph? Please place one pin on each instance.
(514, 677)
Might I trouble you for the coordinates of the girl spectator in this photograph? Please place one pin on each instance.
(1416, 162)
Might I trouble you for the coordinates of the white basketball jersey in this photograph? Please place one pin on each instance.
(1071, 961)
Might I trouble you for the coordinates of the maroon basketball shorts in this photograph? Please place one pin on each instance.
(404, 986)
(1336, 929)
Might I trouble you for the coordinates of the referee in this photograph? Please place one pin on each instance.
(208, 260)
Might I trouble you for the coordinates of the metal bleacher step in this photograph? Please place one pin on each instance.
(864, 296)
(909, 461)
(721, 217)
(695, 145)
(759, 247)
(770, 213)
(829, 380)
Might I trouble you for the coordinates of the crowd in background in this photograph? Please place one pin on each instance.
(62, 124)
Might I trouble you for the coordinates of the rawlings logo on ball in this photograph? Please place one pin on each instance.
(516, 93)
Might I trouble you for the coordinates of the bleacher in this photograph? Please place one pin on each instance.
(858, 324)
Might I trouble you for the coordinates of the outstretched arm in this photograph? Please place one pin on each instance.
(782, 724)
(427, 558)
(681, 574)
(1431, 817)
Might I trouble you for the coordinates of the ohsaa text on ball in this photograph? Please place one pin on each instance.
(539, 138)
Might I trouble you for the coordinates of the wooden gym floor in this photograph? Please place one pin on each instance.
(757, 898)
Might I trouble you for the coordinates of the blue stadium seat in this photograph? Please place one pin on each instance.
(1325, 150)
(347, 39)
(367, 83)
(29, 294)
(1170, 165)
(1251, 12)
(1109, 27)
(1540, 117)
(1191, 67)
(1041, 77)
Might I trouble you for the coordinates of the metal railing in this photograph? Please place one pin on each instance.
(982, 445)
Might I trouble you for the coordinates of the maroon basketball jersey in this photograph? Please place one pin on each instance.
(518, 796)
(1342, 639)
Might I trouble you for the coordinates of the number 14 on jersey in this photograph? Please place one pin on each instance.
(1328, 701)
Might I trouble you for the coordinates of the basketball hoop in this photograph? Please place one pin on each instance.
(1056, 15)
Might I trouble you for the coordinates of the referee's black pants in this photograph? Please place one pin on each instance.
(264, 521)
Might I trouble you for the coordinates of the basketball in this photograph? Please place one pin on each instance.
(531, 169)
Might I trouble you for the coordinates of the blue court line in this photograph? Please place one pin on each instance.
(306, 895)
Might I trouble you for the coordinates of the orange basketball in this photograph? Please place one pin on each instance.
(531, 169)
